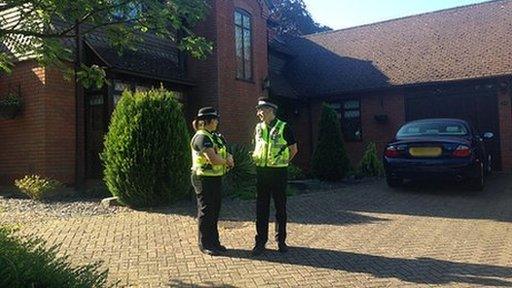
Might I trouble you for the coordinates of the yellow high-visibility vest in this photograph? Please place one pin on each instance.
(200, 164)
(271, 149)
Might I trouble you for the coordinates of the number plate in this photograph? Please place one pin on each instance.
(425, 151)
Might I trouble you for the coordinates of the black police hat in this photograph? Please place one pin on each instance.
(266, 102)
(207, 112)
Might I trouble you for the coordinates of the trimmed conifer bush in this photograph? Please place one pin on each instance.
(330, 161)
(147, 157)
(371, 165)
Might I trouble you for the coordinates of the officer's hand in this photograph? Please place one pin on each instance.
(230, 162)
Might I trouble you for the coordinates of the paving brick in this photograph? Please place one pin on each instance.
(364, 235)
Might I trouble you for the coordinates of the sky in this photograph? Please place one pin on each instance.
(339, 14)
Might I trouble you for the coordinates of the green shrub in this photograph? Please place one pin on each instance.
(147, 157)
(295, 173)
(241, 180)
(330, 161)
(27, 263)
(371, 165)
(36, 187)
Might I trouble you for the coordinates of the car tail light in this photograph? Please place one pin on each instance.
(392, 152)
(462, 151)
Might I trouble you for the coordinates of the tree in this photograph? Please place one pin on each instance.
(147, 152)
(330, 161)
(292, 18)
(45, 28)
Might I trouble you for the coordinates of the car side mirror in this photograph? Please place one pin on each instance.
(488, 135)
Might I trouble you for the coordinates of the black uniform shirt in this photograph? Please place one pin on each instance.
(200, 142)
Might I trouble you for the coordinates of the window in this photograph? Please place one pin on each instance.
(126, 11)
(349, 113)
(243, 43)
(428, 129)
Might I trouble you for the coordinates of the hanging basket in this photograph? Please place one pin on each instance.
(10, 106)
(9, 111)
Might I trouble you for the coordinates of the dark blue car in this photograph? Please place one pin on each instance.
(438, 149)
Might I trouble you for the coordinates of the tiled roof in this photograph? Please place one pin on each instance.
(461, 43)
(155, 57)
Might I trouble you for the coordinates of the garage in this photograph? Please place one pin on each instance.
(478, 105)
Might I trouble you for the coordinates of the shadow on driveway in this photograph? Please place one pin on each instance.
(345, 204)
(420, 270)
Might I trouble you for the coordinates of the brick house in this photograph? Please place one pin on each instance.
(50, 138)
(450, 63)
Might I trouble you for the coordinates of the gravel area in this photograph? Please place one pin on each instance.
(16, 210)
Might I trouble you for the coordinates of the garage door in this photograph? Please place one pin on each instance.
(479, 109)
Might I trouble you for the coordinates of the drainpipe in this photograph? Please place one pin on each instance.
(79, 115)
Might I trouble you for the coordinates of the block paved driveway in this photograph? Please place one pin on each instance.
(363, 235)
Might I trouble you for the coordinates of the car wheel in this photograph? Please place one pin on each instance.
(488, 169)
(394, 182)
(477, 184)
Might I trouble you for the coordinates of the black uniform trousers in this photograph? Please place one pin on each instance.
(208, 191)
(271, 182)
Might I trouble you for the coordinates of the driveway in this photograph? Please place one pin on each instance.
(358, 235)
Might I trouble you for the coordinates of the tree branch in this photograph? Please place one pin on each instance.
(34, 34)
(92, 13)
(109, 24)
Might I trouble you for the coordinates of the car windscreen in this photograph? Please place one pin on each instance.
(421, 129)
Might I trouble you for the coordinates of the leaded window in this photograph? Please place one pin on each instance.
(349, 114)
(243, 42)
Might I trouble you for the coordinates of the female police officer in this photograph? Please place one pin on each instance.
(210, 161)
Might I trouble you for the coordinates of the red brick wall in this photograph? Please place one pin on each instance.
(504, 110)
(216, 76)
(38, 141)
(391, 105)
(60, 127)
(238, 98)
(204, 72)
(377, 104)
(22, 138)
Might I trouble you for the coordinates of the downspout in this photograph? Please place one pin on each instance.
(79, 115)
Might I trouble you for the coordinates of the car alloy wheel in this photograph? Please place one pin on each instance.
(477, 183)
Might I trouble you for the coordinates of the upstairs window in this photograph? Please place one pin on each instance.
(243, 43)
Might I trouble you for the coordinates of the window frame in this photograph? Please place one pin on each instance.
(341, 115)
(243, 13)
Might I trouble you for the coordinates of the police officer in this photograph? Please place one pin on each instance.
(210, 161)
(275, 147)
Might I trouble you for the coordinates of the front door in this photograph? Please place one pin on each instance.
(96, 109)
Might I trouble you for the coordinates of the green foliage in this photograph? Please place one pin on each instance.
(27, 263)
(240, 181)
(147, 154)
(330, 161)
(12, 99)
(371, 165)
(295, 173)
(93, 76)
(46, 28)
(36, 187)
(293, 18)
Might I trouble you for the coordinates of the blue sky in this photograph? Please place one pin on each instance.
(339, 14)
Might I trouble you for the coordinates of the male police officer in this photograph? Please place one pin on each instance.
(275, 147)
